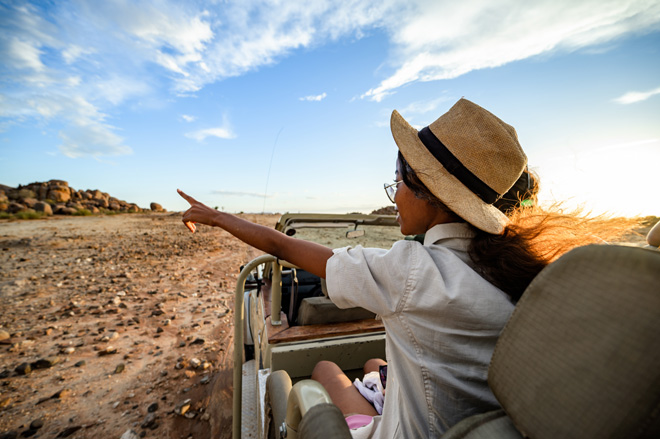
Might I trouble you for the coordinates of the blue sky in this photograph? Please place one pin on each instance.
(284, 106)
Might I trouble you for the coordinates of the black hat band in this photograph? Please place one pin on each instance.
(456, 168)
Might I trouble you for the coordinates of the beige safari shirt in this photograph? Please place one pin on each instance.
(442, 320)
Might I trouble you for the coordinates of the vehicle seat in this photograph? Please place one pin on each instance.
(580, 356)
(321, 310)
(297, 285)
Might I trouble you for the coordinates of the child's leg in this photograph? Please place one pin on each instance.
(341, 390)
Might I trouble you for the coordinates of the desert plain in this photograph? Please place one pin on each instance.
(120, 326)
(115, 323)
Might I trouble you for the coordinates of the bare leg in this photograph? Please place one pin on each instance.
(341, 390)
(373, 365)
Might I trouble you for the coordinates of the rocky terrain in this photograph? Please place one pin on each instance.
(56, 197)
(120, 326)
(117, 326)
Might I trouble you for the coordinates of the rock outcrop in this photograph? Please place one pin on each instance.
(389, 210)
(57, 197)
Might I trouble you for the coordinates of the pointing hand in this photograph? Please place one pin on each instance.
(198, 212)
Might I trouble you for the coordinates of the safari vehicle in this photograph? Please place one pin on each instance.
(288, 323)
(580, 356)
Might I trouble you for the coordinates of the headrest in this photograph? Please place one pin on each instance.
(580, 356)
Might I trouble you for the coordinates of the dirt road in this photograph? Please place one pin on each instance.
(111, 323)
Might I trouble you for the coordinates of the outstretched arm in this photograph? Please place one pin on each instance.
(307, 255)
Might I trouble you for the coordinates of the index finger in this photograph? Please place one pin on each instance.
(186, 197)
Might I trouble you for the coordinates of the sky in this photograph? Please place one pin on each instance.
(284, 106)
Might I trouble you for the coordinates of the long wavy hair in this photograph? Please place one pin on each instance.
(534, 237)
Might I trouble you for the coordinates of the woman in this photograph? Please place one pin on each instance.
(444, 302)
(442, 317)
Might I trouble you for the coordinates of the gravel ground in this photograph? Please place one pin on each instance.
(111, 323)
(124, 322)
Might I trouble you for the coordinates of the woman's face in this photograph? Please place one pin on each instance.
(414, 215)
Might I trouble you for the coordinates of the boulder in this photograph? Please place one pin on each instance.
(30, 202)
(130, 434)
(59, 194)
(41, 206)
(75, 205)
(155, 207)
(24, 193)
(64, 210)
(64, 199)
(12, 194)
(15, 207)
(40, 189)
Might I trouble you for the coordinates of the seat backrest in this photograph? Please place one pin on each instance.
(322, 311)
(580, 356)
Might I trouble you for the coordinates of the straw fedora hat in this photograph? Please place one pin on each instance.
(468, 158)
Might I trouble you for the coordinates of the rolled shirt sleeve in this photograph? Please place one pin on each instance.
(370, 278)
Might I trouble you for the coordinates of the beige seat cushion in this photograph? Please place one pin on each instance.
(321, 310)
(495, 424)
(580, 356)
(323, 421)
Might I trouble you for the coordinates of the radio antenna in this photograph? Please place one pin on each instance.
(272, 154)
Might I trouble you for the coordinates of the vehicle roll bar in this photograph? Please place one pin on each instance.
(276, 295)
(276, 291)
(239, 319)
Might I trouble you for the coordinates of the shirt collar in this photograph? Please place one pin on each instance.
(445, 234)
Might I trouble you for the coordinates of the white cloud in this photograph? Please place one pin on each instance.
(92, 139)
(236, 48)
(636, 96)
(42, 89)
(117, 89)
(188, 118)
(241, 194)
(422, 107)
(201, 135)
(314, 97)
(73, 52)
(23, 55)
(105, 54)
(444, 40)
(201, 43)
(164, 32)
